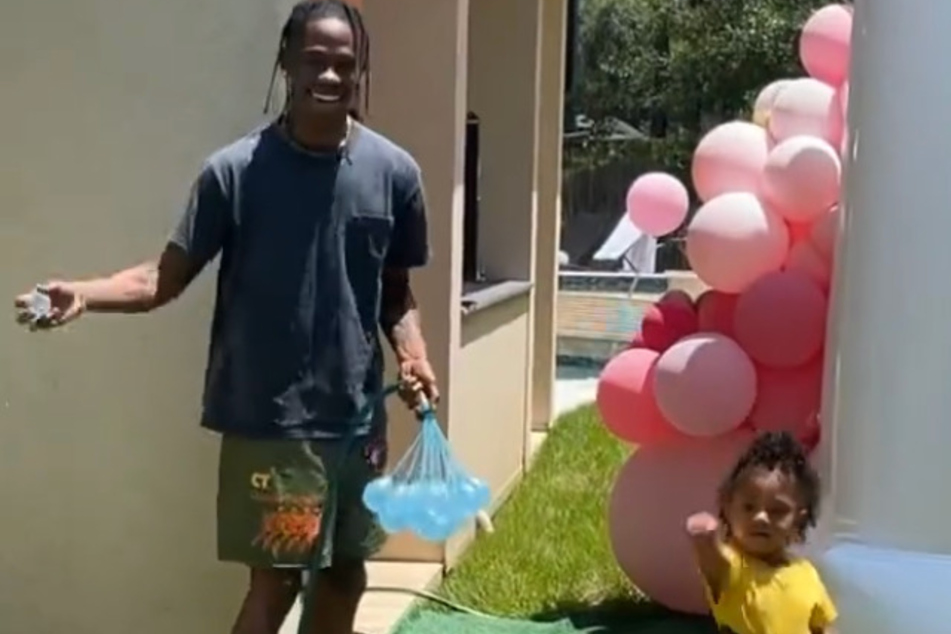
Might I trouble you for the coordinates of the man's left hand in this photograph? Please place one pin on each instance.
(418, 383)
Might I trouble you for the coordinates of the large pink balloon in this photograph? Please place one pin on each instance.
(657, 203)
(825, 44)
(654, 494)
(787, 400)
(729, 158)
(780, 320)
(805, 258)
(824, 233)
(625, 399)
(807, 107)
(733, 240)
(705, 385)
(802, 178)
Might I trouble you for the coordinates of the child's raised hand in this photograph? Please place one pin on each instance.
(702, 524)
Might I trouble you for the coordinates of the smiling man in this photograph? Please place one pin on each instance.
(318, 221)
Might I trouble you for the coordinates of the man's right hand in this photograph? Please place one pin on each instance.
(65, 305)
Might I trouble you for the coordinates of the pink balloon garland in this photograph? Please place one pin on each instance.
(701, 377)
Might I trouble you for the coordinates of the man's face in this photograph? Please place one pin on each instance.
(323, 70)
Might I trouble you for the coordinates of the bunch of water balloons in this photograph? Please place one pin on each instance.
(428, 493)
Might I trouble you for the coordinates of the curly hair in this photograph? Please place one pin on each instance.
(779, 450)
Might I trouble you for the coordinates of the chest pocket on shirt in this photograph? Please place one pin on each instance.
(367, 241)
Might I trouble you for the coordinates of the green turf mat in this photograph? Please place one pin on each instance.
(438, 623)
(427, 622)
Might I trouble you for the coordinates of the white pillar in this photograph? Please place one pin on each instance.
(888, 402)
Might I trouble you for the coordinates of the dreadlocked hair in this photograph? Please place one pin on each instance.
(293, 32)
(772, 451)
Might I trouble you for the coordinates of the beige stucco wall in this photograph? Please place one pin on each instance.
(488, 430)
(106, 483)
(548, 230)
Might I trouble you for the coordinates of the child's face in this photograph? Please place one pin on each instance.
(764, 512)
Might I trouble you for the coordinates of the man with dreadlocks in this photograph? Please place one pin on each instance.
(318, 221)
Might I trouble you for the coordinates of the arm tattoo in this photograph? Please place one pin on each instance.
(399, 316)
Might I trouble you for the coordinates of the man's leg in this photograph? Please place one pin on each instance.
(271, 594)
(356, 537)
(337, 594)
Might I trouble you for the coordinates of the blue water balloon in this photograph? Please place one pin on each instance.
(377, 492)
(428, 492)
(473, 494)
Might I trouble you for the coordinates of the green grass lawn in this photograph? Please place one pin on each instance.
(550, 558)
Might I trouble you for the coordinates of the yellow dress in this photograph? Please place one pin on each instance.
(760, 599)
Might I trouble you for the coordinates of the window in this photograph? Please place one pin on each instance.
(471, 266)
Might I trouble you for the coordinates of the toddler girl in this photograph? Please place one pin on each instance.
(754, 584)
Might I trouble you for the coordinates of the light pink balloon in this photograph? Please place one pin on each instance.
(824, 233)
(657, 203)
(626, 402)
(826, 42)
(780, 320)
(787, 400)
(805, 258)
(654, 494)
(802, 178)
(729, 158)
(807, 107)
(733, 240)
(842, 98)
(705, 385)
(765, 100)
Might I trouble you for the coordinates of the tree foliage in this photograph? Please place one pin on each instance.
(674, 68)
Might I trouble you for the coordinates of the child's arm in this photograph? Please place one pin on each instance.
(824, 613)
(704, 532)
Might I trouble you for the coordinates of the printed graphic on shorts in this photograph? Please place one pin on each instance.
(375, 454)
(290, 512)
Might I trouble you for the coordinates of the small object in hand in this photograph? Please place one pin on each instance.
(40, 307)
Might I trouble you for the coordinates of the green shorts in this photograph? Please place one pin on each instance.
(271, 497)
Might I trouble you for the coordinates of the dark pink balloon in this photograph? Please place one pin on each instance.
(780, 319)
(787, 400)
(677, 296)
(715, 312)
(666, 323)
(626, 402)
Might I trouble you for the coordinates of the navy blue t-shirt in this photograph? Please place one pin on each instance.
(304, 238)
